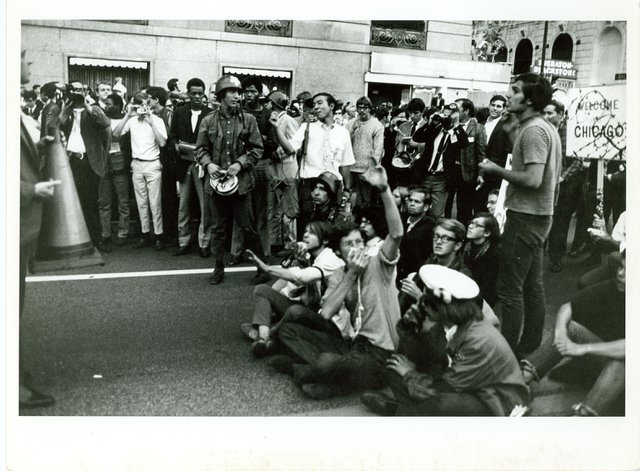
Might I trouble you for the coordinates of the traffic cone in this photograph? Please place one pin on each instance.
(64, 240)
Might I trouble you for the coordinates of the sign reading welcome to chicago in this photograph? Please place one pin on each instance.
(597, 122)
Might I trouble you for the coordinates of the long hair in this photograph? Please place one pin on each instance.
(490, 224)
(322, 229)
(459, 311)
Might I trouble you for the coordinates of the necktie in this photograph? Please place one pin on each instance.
(413, 129)
(441, 148)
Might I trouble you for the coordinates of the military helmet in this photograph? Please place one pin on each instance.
(279, 99)
(330, 181)
(228, 82)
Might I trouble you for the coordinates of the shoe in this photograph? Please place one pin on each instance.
(104, 246)
(182, 251)
(260, 278)
(249, 331)
(555, 267)
(217, 277)
(144, 241)
(282, 364)
(205, 252)
(302, 374)
(235, 260)
(318, 390)
(262, 348)
(120, 241)
(30, 398)
(159, 245)
(379, 403)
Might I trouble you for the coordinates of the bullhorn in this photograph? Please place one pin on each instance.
(64, 240)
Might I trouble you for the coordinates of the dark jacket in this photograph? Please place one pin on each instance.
(428, 134)
(499, 144)
(35, 114)
(484, 270)
(31, 165)
(416, 246)
(95, 128)
(474, 153)
(181, 131)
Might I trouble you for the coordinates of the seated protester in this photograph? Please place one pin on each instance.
(400, 194)
(492, 201)
(483, 377)
(482, 254)
(448, 238)
(418, 231)
(589, 327)
(366, 288)
(305, 285)
(373, 227)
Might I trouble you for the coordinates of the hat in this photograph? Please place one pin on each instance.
(402, 161)
(438, 277)
(452, 107)
(224, 186)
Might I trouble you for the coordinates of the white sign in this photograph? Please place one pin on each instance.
(597, 122)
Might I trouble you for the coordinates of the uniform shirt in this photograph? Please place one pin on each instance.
(328, 149)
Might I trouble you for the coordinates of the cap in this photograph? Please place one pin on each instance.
(438, 277)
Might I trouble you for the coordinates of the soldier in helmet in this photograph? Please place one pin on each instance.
(324, 197)
(228, 147)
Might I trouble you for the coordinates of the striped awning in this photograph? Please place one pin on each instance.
(108, 63)
(258, 72)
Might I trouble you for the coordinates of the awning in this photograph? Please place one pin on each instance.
(258, 72)
(108, 63)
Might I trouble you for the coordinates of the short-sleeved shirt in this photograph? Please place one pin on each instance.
(143, 140)
(537, 142)
(328, 149)
(601, 309)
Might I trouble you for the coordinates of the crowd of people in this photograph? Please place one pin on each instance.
(380, 289)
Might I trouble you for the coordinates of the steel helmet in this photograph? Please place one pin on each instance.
(228, 82)
(279, 99)
(330, 181)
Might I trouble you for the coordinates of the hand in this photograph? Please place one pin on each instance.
(132, 111)
(400, 364)
(46, 189)
(376, 176)
(44, 142)
(301, 253)
(214, 170)
(567, 348)
(273, 119)
(488, 167)
(234, 169)
(480, 181)
(598, 223)
(254, 258)
(357, 261)
(409, 287)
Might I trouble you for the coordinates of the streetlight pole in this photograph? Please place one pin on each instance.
(544, 47)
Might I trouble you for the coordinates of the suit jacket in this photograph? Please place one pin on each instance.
(499, 144)
(474, 153)
(50, 111)
(416, 246)
(31, 165)
(181, 131)
(35, 114)
(95, 128)
(428, 135)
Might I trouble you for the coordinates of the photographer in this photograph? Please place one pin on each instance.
(148, 134)
(483, 377)
(87, 130)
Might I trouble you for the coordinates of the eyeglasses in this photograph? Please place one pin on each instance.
(443, 238)
(475, 224)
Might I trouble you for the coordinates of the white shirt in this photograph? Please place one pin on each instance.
(143, 141)
(195, 114)
(436, 144)
(328, 149)
(490, 125)
(75, 143)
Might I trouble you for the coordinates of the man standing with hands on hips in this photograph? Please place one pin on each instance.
(530, 199)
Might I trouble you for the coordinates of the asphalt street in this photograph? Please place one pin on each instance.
(170, 345)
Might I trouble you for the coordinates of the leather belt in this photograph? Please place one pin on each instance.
(435, 174)
(77, 155)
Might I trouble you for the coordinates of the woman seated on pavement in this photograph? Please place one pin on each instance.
(482, 254)
(483, 377)
(296, 285)
(590, 332)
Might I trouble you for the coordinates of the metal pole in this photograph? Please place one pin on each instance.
(544, 47)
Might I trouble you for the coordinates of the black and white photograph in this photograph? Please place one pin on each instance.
(320, 244)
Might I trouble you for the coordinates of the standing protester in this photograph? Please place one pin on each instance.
(49, 92)
(367, 140)
(88, 132)
(33, 192)
(405, 141)
(530, 199)
(33, 106)
(228, 147)
(189, 173)
(148, 135)
(104, 90)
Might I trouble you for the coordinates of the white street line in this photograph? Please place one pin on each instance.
(134, 274)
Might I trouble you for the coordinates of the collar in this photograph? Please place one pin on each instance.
(327, 127)
(235, 112)
(416, 221)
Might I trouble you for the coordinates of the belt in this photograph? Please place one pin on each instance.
(146, 160)
(435, 174)
(77, 155)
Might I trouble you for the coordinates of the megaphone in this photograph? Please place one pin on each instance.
(64, 240)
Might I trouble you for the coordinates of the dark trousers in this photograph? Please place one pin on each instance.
(169, 200)
(305, 204)
(570, 200)
(465, 197)
(87, 184)
(520, 285)
(237, 208)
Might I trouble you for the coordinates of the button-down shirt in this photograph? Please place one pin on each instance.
(328, 149)
(489, 126)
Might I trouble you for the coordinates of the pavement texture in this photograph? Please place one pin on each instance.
(171, 345)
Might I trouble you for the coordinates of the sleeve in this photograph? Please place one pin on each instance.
(253, 146)
(162, 129)
(127, 127)
(298, 138)
(419, 385)
(289, 128)
(470, 363)
(98, 118)
(203, 145)
(173, 129)
(378, 143)
(307, 275)
(535, 145)
(481, 143)
(347, 155)
(27, 193)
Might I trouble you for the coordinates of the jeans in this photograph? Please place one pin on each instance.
(259, 206)
(436, 186)
(520, 286)
(269, 305)
(147, 186)
(189, 182)
(610, 382)
(108, 183)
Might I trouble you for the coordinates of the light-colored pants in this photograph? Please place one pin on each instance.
(108, 183)
(190, 181)
(147, 186)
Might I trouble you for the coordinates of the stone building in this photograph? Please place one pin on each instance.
(386, 60)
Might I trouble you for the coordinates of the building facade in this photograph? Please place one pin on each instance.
(386, 60)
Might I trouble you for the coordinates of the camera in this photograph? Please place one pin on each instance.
(140, 109)
(71, 95)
